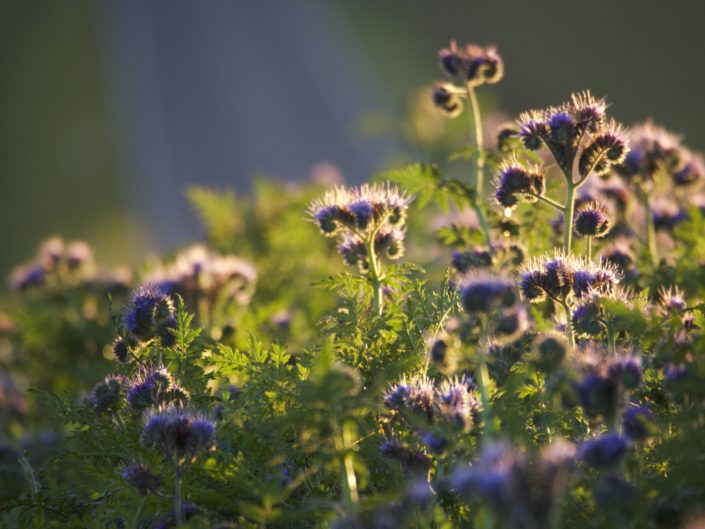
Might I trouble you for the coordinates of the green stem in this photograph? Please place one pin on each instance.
(136, 516)
(177, 495)
(555, 205)
(477, 176)
(482, 378)
(611, 340)
(375, 276)
(568, 217)
(348, 481)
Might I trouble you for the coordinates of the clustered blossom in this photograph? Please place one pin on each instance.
(453, 401)
(466, 67)
(199, 274)
(179, 434)
(522, 490)
(151, 314)
(577, 128)
(589, 314)
(560, 276)
(515, 179)
(591, 220)
(368, 215)
(655, 150)
(152, 388)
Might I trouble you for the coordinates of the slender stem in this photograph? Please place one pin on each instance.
(177, 495)
(550, 202)
(611, 340)
(476, 180)
(375, 276)
(482, 378)
(136, 516)
(650, 228)
(568, 217)
(477, 176)
(588, 247)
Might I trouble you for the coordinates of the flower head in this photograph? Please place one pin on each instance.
(456, 402)
(483, 293)
(141, 478)
(107, 395)
(604, 451)
(150, 305)
(515, 179)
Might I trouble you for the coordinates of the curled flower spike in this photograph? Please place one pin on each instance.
(153, 388)
(592, 220)
(474, 65)
(416, 396)
(514, 179)
(446, 97)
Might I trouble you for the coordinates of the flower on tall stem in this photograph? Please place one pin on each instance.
(369, 223)
(581, 140)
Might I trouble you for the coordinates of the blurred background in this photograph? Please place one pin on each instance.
(109, 109)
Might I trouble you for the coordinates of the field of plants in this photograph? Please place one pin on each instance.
(509, 337)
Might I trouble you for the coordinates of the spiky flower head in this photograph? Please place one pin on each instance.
(178, 433)
(514, 178)
(592, 220)
(671, 300)
(150, 305)
(416, 396)
(412, 460)
(577, 128)
(551, 350)
(626, 369)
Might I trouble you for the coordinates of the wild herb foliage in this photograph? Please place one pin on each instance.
(533, 358)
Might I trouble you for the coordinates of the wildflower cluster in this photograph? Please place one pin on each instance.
(498, 380)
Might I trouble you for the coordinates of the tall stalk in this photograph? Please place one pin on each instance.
(569, 206)
(477, 165)
(482, 378)
(375, 276)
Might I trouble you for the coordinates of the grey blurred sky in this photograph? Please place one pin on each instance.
(109, 108)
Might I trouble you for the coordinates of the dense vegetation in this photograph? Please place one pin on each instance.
(418, 352)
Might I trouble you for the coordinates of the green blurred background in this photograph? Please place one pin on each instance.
(109, 108)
